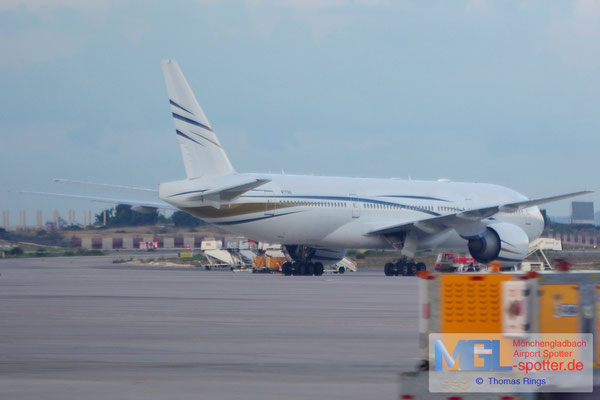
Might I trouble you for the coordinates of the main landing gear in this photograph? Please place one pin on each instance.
(403, 267)
(302, 264)
(302, 268)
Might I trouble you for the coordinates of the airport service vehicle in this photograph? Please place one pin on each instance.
(218, 257)
(538, 247)
(317, 217)
(267, 264)
(342, 266)
(450, 262)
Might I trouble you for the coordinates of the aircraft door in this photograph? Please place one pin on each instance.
(270, 203)
(355, 206)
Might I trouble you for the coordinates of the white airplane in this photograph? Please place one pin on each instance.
(318, 217)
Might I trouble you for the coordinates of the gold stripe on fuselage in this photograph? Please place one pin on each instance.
(235, 209)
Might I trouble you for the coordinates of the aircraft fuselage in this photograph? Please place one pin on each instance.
(338, 212)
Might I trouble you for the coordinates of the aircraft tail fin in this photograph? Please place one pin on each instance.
(202, 153)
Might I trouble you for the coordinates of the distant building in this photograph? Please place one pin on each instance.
(582, 212)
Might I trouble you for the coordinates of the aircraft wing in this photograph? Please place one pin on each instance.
(135, 203)
(438, 223)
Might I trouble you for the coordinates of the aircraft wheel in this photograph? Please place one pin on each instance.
(399, 267)
(296, 268)
(421, 266)
(286, 268)
(319, 269)
(207, 267)
(404, 270)
(412, 268)
(310, 269)
(388, 269)
(301, 268)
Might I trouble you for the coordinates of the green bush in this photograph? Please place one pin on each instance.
(85, 252)
(181, 219)
(16, 251)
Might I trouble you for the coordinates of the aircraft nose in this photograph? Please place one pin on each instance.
(538, 222)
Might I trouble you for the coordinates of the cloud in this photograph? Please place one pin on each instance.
(576, 37)
(323, 24)
(23, 140)
(570, 30)
(45, 5)
(310, 4)
(476, 5)
(294, 3)
(322, 17)
(586, 17)
(37, 46)
(42, 29)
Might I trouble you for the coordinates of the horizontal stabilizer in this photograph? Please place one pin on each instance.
(134, 203)
(104, 185)
(230, 192)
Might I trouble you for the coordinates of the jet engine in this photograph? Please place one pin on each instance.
(501, 241)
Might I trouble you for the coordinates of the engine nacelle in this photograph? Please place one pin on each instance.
(501, 241)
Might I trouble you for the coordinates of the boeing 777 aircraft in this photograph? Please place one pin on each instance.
(318, 217)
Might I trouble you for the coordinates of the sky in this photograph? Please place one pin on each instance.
(506, 92)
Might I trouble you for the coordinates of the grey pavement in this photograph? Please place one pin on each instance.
(84, 328)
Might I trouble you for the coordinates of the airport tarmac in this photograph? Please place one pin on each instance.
(85, 328)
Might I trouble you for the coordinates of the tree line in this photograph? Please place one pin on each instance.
(123, 215)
